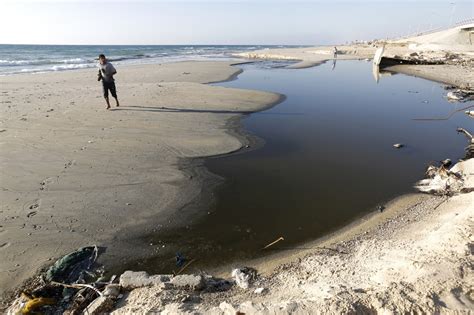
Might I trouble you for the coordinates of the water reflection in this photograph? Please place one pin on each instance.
(326, 164)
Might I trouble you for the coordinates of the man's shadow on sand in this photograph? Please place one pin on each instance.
(192, 110)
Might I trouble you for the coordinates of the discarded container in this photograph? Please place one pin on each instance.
(243, 276)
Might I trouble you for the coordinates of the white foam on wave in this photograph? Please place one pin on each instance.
(72, 66)
(75, 60)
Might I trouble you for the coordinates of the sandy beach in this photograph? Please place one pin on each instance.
(75, 174)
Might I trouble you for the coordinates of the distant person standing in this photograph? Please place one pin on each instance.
(106, 74)
(335, 52)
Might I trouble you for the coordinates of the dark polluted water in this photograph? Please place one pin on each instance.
(327, 159)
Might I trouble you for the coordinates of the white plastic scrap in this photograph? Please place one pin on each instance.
(440, 181)
(259, 290)
(453, 96)
(241, 278)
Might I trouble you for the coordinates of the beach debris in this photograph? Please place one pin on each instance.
(180, 259)
(470, 148)
(398, 145)
(470, 113)
(449, 87)
(137, 279)
(450, 114)
(460, 95)
(217, 284)
(274, 242)
(112, 290)
(130, 280)
(453, 96)
(100, 305)
(446, 162)
(185, 266)
(27, 304)
(440, 181)
(73, 266)
(244, 276)
(193, 282)
(259, 290)
(62, 288)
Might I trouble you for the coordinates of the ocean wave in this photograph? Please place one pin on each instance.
(76, 60)
(47, 59)
(132, 57)
(41, 62)
(72, 66)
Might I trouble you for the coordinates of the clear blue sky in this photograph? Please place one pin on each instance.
(220, 22)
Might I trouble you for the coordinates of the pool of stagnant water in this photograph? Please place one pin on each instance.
(325, 158)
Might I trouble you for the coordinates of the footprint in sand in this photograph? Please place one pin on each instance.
(4, 245)
(69, 164)
(33, 205)
(46, 182)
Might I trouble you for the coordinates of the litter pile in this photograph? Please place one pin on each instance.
(68, 286)
(440, 181)
(459, 95)
(75, 285)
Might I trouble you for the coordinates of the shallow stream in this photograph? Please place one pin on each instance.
(325, 158)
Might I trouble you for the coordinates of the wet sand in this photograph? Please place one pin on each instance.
(74, 174)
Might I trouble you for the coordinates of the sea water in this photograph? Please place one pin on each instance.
(45, 58)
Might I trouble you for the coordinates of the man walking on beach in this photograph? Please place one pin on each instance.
(106, 74)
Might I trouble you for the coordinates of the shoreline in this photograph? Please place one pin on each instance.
(269, 262)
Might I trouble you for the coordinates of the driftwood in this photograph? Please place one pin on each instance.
(470, 147)
(449, 115)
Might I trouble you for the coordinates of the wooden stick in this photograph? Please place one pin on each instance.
(447, 117)
(464, 131)
(185, 266)
(77, 286)
(274, 242)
